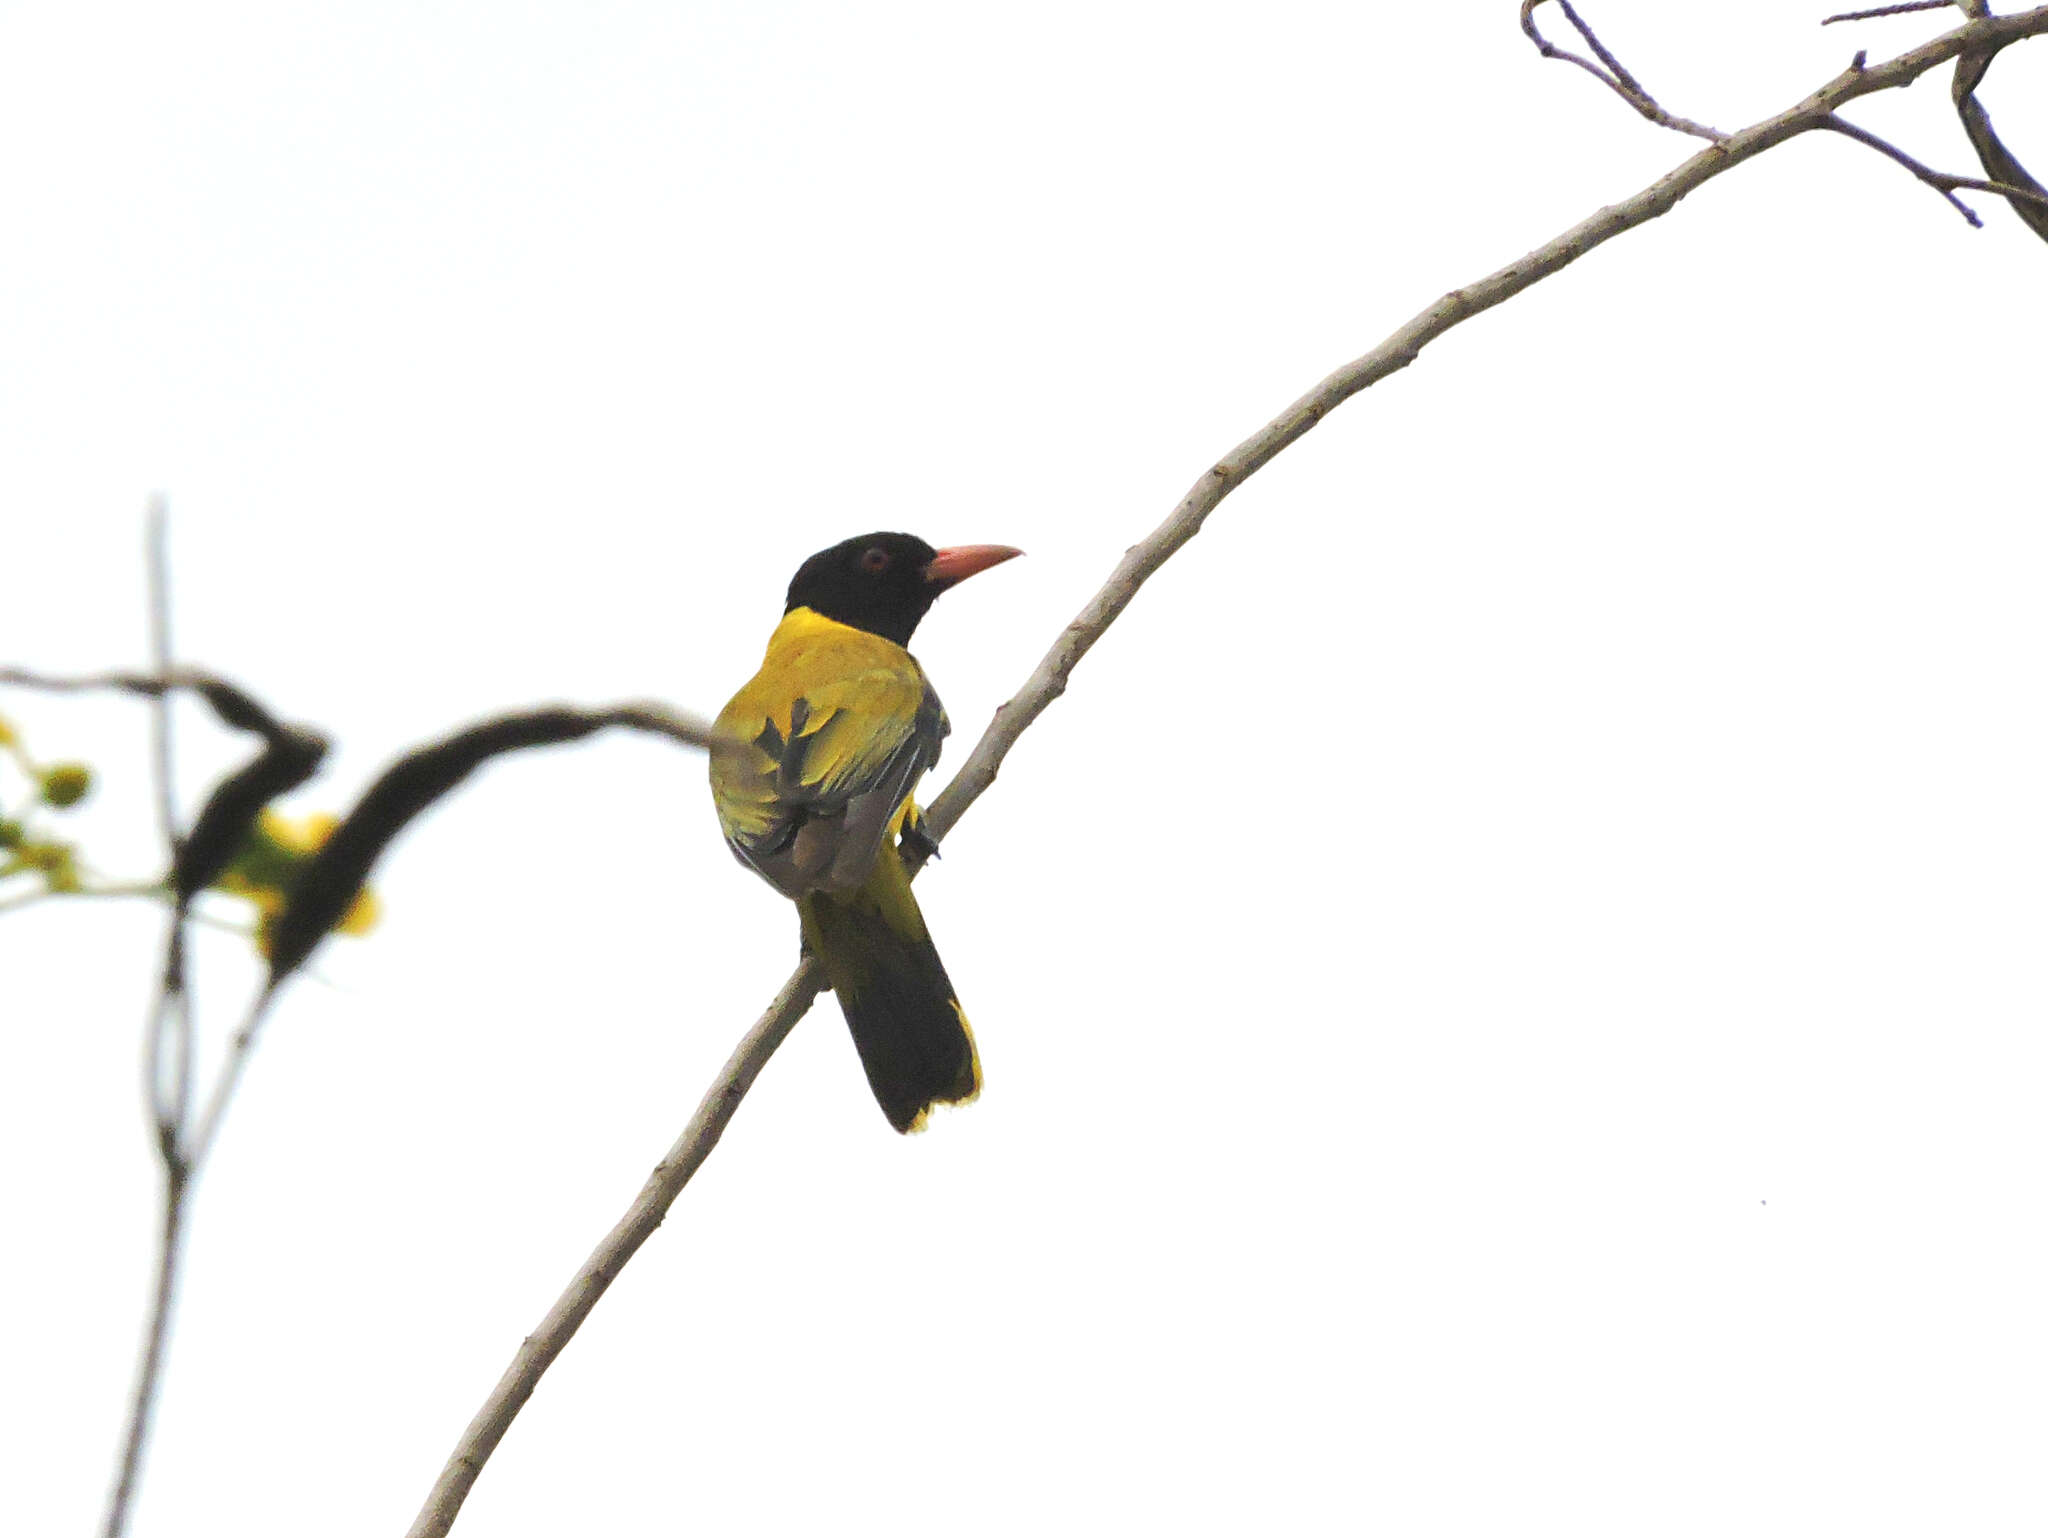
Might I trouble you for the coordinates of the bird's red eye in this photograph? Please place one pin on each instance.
(874, 558)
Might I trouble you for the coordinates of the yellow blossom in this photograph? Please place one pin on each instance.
(269, 862)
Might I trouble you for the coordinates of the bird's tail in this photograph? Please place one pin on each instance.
(913, 1038)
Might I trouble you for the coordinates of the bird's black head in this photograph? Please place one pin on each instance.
(884, 582)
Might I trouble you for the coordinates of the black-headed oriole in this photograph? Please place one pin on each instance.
(831, 738)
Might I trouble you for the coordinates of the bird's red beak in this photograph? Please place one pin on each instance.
(960, 562)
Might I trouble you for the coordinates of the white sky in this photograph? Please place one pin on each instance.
(1510, 987)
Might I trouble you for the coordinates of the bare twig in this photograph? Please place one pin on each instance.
(158, 541)
(151, 889)
(170, 1247)
(539, 1350)
(1888, 10)
(149, 685)
(1941, 181)
(2008, 178)
(169, 1029)
(1609, 71)
(170, 1024)
(206, 1130)
(1049, 680)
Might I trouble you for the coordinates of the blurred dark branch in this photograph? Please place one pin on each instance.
(411, 786)
(323, 892)
(288, 758)
(414, 783)
(1973, 46)
(169, 1029)
(690, 1149)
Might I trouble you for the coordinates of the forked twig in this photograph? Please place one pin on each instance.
(1941, 181)
(1888, 10)
(169, 1029)
(2020, 190)
(1609, 71)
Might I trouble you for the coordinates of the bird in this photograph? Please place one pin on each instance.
(815, 791)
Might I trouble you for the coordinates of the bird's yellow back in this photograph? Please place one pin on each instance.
(834, 732)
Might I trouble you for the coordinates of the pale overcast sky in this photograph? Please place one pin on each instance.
(1510, 987)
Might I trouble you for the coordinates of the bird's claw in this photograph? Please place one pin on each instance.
(918, 841)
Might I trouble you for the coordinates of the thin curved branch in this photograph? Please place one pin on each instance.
(1888, 10)
(169, 1030)
(157, 542)
(206, 1130)
(412, 786)
(1944, 183)
(405, 791)
(149, 685)
(290, 756)
(1610, 71)
(690, 1150)
(1049, 681)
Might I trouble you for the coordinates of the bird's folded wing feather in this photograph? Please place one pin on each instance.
(834, 738)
